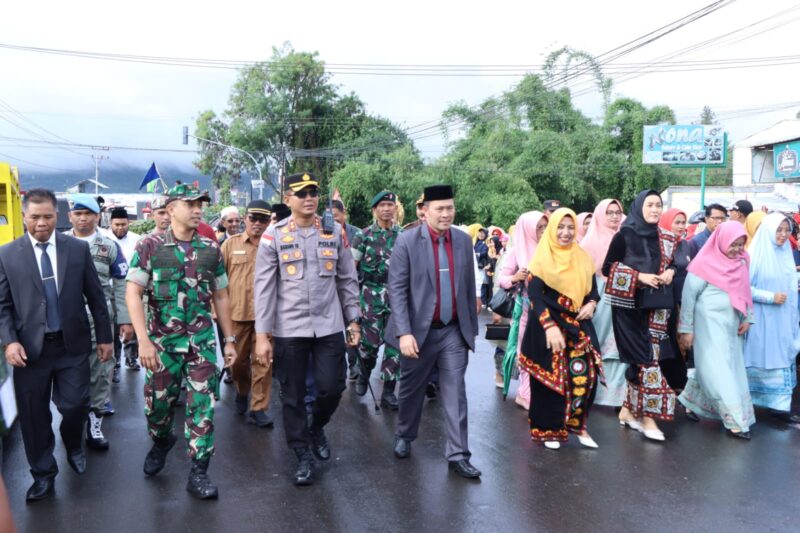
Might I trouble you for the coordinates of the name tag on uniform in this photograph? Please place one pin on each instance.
(239, 252)
(289, 246)
(326, 244)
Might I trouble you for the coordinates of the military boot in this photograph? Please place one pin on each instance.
(388, 398)
(157, 456)
(304, 473)
(199, 484)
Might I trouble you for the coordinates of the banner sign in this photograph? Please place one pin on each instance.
(787, 164)
(689, 145)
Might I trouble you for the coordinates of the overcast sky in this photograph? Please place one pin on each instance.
(141, 105)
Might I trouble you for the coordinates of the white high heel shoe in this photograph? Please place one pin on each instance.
(552, 444)
(587, 441)
(633, 424)
(654, 434)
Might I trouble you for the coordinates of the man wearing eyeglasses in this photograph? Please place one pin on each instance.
(305, 289)
(715, 215)
(251, 376)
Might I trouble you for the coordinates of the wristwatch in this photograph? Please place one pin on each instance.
(231, 339)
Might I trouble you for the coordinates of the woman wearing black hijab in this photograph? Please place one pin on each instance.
(640, 271)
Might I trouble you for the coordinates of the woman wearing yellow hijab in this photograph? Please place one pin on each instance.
(560, 350)
(751, 224)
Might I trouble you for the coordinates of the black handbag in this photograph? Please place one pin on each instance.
(660, 298)
(497, 332)
(502, 302)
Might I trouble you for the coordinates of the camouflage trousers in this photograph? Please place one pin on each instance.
(373, 326)
(99, 375)
(161, 390)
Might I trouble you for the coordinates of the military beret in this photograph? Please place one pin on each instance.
(384, 196)
(438, 192)
(301, 180)
(551, 205)
(84, 201)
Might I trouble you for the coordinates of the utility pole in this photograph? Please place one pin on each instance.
(97, 159)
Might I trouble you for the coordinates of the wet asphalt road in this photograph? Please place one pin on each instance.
(699, 480)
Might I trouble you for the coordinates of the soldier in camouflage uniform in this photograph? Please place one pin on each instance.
(84, 215)
(372, 249)
(180, 272)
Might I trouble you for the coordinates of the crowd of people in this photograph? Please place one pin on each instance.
(642, 311)
(638, 311)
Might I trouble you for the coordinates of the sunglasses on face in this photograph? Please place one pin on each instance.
(263, 219)
(303, 194)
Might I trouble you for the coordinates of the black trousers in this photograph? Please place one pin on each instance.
(327, 365)
(65, 378)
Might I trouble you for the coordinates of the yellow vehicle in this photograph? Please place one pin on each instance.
(11, 225)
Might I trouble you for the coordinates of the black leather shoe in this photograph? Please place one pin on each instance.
(319, 445)
(362, 384)
(402, 448)
(40, 489)
(739, 434)
(304, 473)
(242, 404)
(260, 419)
(157, 456)
(464, 469)
(132, 363)
(77, 460)
(388, 398)
(432, 390)
(692, 417)
(199, 484)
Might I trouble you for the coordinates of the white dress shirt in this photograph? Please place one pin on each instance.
(127, 244)
(51, 252)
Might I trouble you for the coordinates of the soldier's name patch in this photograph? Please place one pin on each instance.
(289, 246)
(326, 244)
(239, 252)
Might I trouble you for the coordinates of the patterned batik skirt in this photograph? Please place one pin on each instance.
(650, 395)
(561, 399)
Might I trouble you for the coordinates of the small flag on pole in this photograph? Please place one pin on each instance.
(151, 187)
(152, 175)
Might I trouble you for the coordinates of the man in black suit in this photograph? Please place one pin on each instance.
(47, 337)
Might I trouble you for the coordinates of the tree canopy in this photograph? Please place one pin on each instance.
(511, 151)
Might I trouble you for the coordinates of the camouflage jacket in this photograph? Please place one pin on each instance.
(179, 279)
(372, 249)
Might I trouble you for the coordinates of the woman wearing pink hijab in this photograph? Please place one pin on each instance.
(604, 225)
(716, 312)
(514, 276)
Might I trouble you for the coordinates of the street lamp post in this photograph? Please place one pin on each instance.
(186, 136)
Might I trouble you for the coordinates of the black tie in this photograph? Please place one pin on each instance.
(50, 290)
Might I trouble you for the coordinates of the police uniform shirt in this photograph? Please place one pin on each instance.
(305, 281)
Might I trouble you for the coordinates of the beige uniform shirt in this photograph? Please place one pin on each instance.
(305, 281)
(239, 253)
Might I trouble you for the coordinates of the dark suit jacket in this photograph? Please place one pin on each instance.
(412, 286)
(23, 311)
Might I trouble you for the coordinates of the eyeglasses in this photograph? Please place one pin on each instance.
(613, 213)
(303, 194)
(263, 219)
(234, 221)
(719, 219)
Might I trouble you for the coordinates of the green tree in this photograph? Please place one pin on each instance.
(707, 116)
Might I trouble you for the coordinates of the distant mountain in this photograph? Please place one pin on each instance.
(118, 179)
